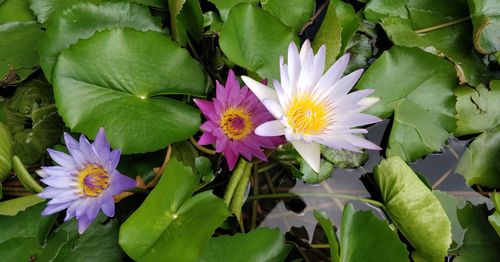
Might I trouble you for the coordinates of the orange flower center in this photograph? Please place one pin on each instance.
(93, 180)
(235, 123)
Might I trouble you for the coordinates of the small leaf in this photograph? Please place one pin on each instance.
(30, 96)
(422, 101)
(344, 158)
(96, 85)
(82, 20)
(5, 152)
(327, 226)
(170, 224)
(477, 109)
(495, 217)
(187, 18)
(479, 164)
(364, 237)
(415, 211)
(261, 244)
(185, 153)
(224, 6)
(310, 176)
(13, 206)
(486, 20)
(15, 11)
(247, 36)
(293, 13)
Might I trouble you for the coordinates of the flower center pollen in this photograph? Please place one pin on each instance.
(93, 180)
(235, 123)
(307, 116)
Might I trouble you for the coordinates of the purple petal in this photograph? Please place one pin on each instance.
(114, 159)
(58, 171)
(107, 205)
(83, 223)
(207, 139)
(231, 158)
(51, 209)
(101, 145)
(62, 159)
(221, 144)
(207, 108)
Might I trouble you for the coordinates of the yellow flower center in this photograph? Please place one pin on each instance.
(236, 123)
(93, 180)
(307, 116)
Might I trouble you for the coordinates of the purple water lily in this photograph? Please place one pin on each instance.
(232, 117)
(85, 180)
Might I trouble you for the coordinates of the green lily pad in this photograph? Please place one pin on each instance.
(247, 36)
(330, 35)
(5, 152)
(486, 20)
(415, 211)
(422, 101)
(18, 50)
(99, 85)
(344, 158)
(310, 176)
(171, 225)
(224, 6)
(477, 109)
(15, 11)
(293, 13)
(30, 96)
(13, 206)
(261, 244)
(187, 18)
(44, 9)
(479, 164)
(81, 21)
(364, 237)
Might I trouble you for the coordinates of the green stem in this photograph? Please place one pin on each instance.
(201, 148)
(234, 180)
(267, 167)
(24, 176)
(437, 27)
(312, 194)
(239, 193)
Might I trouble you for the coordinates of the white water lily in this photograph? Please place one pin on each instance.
(311, 108)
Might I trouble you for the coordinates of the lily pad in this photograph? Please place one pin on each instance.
(293, 13)
(170, 224)
(329, 35)
(422, 100)
(82, 20)
(415, 211)
(99, 85)
(43, 9)
(224, 6)
(15, 11)
(486, 20)
(247, 36)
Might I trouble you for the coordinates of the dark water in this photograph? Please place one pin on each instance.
(437, 168)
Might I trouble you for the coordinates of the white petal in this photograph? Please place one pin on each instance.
(310, 152)
(273, 107)
(319, 65)
(261, 91)
(359, 141)
(271, 128)
(367, 102)
(338, 143)
(293, 63)
(357, 119)
(333, 74)
(345, 84)
(306, 72)
(350, 101)
(283, 96)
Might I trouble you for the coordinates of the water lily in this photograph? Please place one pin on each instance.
(232, 117)
(312, 108)
(85, 180)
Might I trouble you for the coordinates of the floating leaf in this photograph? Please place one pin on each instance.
(27, 147)
(293, 13)
(30, 96)
(310, 176)
(261, 244)
(187, 18)
(363, 237)
(13, 206)
(18, 49)
(413, 208)
(422, 101)
(185, 153)
(15, 11)
(486, 20)
(330, 35)
(82, 20)
(43, 9)
(170, 224)
(22, 235)
(224, 6)
(479, 164)
(344, 158)
(99, 243)
(5, 152)
(99, 90)
(349, 22)
(247, 36)
(477, 109)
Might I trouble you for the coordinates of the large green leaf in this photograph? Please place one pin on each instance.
(224, 6)
(413, 208)
(107, 81)
(22, 235)
(262, 244)
(98, 243)
(479, 164)
(477, 109)
(293, 13)
(364, 237)
(186, 19)
(15, 11)
(81, 21)
(486, 20)
(247, 36)
(171, 225)
(43, 9)
(330, 35)
(18, 49)
(481, 241)
(422, 100)
(415, 26)
(5, 151)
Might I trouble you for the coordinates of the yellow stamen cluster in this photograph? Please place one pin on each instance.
(306, 115)
(236, 123)
(93, 180)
